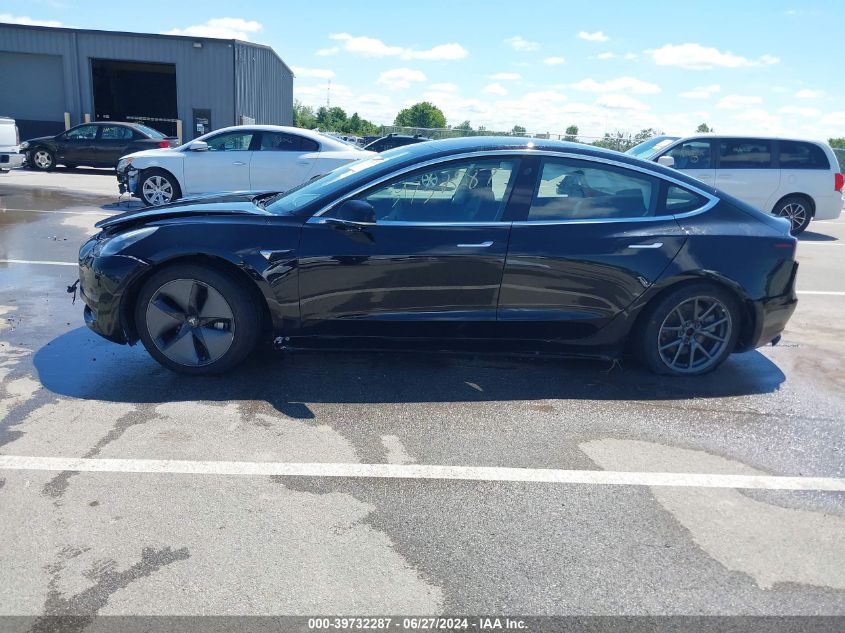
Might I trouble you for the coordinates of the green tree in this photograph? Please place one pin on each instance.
(422, 114)
(704, 129)
(518, 130)
(837, 142)
(304, 116)
(571, 133)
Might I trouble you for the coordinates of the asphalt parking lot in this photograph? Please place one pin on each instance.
(205, 514)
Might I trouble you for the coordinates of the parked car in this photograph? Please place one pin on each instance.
(9, 150)
(796, 179)
(238, 158)
(99, 144)
(498, 260)
(392, 141)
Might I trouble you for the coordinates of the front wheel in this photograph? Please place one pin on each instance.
(157, 187)
(197, 320)
(689, 332)
(796, 209)
(42, 159)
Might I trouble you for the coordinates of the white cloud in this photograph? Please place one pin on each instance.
(800, 111)
(598, 36)
(495, 89)
(554, 61)
(223, 28)
(325, 52)
(505, 77)
(620, 102)
(8, 18)
(701, 92)
(519, 43)
(631, 56)
(698, 57)
(318, 73)
(836, 119)
(400, 78)
(607, 55)
(621, 84)
(444, 87)
(806, 93)
(735, 102)
(372, 47)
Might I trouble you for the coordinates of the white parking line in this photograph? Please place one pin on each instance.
(813, 243)
(102, 213)
(420, 471)
(37, 262)
(822, 292)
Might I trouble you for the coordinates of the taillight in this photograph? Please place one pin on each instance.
(166, 144)
(838, 182)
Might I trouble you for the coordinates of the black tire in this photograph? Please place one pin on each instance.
(654, 343)
(796, 209)
(41, 159)
(157, 179)
(243, 325)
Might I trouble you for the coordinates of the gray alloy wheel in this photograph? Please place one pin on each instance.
(43, 159)
(797, 211)
(190, 322)
(693, 336)
(156, 189)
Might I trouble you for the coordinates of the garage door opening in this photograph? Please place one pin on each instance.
(141, 92)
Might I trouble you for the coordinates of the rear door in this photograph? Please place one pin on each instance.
(224, 166)
(113, 142)
(282, 161)
(594, 237)
(745, 169)
(695, 158)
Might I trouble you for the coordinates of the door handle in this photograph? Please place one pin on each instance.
(303, 162)
(239, 163)
(652, 245)
(479, 245)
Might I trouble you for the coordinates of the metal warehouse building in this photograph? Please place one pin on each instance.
(53, 78)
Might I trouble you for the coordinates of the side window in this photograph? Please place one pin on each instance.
(465, 191)
(115, 132)
(230, 142)
(745, 153)
(692, 155)
(83, 133)
(583, 190)
(798, 155)
(283, 142)
(680, 200)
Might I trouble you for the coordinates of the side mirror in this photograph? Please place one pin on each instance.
(197, 146)
(357, 211)
(666, 161)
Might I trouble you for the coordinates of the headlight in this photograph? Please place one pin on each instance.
(113, 245)
(24, 145)
(123, 163)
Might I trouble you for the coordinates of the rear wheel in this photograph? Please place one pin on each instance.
(690, 331)
(797, 210)
(158, 187)
(197, 320)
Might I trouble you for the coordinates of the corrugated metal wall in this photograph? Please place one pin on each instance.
(263, 86)
(206, 77)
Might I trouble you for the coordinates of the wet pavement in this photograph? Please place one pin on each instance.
(186, 543)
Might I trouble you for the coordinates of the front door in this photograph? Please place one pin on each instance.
(430, 266)
(695, 158)
(592, 241)
(223, 167)
(77, 147)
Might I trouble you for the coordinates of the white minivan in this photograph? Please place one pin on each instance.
(797, 179)
(10, 156)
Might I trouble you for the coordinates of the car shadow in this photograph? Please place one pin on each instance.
(79, 364)
(93, 171)
(123, 204)
(810, 236)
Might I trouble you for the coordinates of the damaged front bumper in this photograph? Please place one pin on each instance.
(127, 179)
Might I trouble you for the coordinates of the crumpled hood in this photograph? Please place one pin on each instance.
(235, 203)
(38, 139)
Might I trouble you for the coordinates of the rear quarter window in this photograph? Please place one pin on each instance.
(800, 155)
(682, 200)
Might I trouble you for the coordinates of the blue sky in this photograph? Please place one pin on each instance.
(755, 67)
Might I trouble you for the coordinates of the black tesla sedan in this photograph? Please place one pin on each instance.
(527, 246)
(99, 144)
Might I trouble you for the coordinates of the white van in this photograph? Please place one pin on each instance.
(10, 157)
(793, 178)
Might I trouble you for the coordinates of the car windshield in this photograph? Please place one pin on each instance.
(290, 201)
(150, 131)
(650, 147)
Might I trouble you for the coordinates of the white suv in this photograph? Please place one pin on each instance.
(10, 156)
(793, 178)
